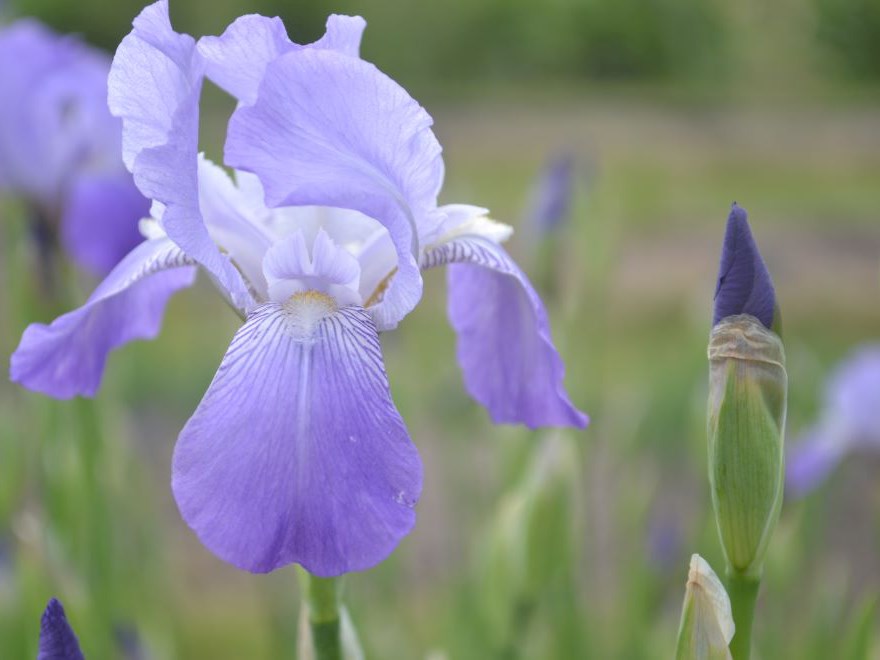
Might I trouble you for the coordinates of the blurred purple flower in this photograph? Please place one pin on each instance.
(296, 452)
(57, 639)
(664, 539)
(744, 284)
(550, 200)
(850, 420)
(59, 145)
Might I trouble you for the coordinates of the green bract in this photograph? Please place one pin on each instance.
(747, 404)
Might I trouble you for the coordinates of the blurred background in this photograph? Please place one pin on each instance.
(528, 545)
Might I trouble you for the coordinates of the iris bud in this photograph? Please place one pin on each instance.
(747, 407)
(527, 553)
(706, 622)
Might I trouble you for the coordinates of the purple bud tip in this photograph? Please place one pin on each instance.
(57, 639)
(744, 284)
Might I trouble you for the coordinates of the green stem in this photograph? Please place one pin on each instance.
(743, 592)
(322, 597)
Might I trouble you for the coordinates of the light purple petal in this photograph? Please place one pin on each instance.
(852, 396)
(504, 346)
(57, 639)
(812, 459)
(297, 453)
(238, 58)
(155, 84)
(343, 35)
(850, 420)
(290, 268)
(332, 130)
(100, 222)
(67, 358)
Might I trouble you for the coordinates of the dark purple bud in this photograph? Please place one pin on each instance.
(744, 284)
(552, 194)
(57, 639)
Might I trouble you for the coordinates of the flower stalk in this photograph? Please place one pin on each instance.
(326, 631)
(743, 592)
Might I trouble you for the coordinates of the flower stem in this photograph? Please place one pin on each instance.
(322, 599)
(743, 592)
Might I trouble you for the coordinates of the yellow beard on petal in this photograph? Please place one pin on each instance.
(305, 310)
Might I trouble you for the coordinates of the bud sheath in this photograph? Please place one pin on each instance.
(747, 406)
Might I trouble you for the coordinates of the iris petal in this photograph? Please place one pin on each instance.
(154, 86)
(67, 358)
(297, 453)
(238, 58)
(100, 223)
(332, 130)
(505, 350)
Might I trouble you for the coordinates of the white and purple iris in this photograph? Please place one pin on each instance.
(297, 453)
(59, 145)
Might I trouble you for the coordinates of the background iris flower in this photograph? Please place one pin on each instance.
(849, 421)
(296, 452)
(60, 146)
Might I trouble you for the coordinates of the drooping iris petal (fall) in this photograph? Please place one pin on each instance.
(505, 350)
(66, 358)
(297, 453)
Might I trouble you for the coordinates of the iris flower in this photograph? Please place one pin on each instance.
(60, 146)
(849, 421)
(297, 453)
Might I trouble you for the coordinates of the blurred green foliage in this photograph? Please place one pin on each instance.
(466, 41)
(850, 29)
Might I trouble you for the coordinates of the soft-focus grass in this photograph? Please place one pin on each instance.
(632, 277)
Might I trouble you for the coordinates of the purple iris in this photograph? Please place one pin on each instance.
(57, 639)
(59, 145)
(849, 421)
(297, 453)
(744, 284)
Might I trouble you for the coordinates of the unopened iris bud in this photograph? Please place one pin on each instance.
(527, 551)
(706, 621)
(747, 403)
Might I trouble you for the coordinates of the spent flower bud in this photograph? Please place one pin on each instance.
(706, 620)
